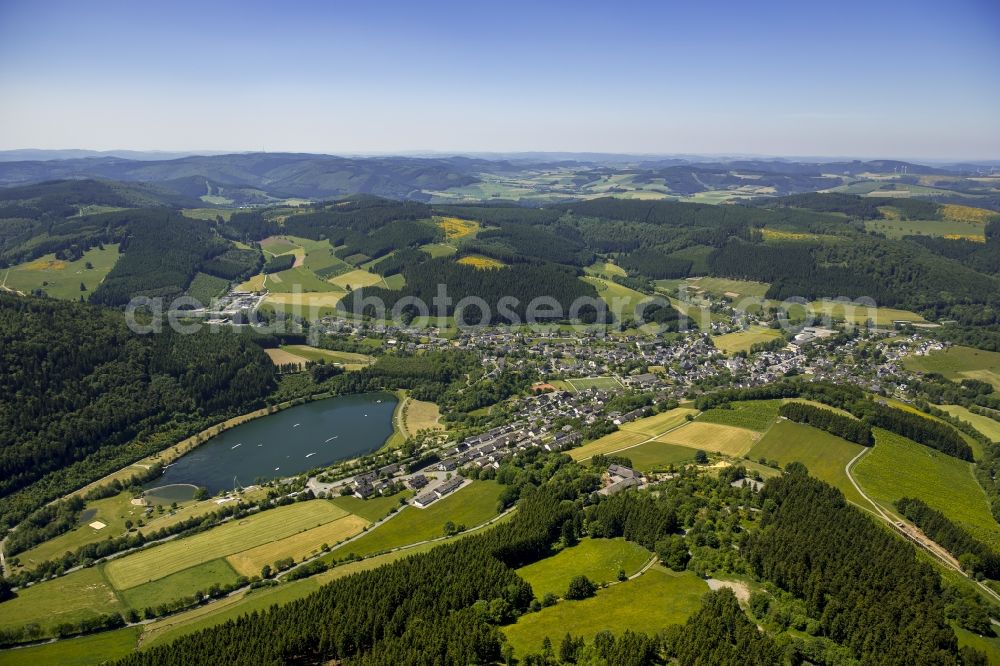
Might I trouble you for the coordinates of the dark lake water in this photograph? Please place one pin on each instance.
(286, 443)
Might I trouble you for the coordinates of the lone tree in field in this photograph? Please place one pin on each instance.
(580, 587)
(700, 457)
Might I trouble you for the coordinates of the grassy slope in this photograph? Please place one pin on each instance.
(63, 277)
(299, 546)
(469, 506)
(727, 440)
(958, 363)
(898, 467)
(757, 415)
(597, 559)
(71, 598)
(83, 651)
(983, 424)
(229, 538)
(647, 604)
(822, 453)
(655, 455)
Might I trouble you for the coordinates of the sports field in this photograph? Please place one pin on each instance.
(231, 537)
(958, 363)
(825, 455)
(757, 415)
(898, 467)
(61, 279)
(598, 559)
(599, 383)
(648, 604)
(469, 506)
(298, 546)
(659, 423)
(181, 584)
(70, 598)
(712, 437)
(608, 444)
(744, 340)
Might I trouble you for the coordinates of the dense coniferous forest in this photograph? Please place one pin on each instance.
(79, 386)
(867, 587)
(825, 419)
(524, 283)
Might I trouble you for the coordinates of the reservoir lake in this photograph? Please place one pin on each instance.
(286, 443)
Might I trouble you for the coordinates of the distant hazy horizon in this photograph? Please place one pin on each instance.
(881, 79)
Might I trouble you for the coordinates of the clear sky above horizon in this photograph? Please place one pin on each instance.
(914, 79)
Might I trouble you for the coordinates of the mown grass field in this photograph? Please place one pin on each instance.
(825, 455)
(898, 467)
(439, 249)
(231, 537)
(70, 598)
(181, 584)
(958, 363)
(356, 279)
(373, 509)
(651, 602)
(298, 279)
(608, 444)
(659, 423)
(310, 305)
(653, 456)
(284, 357)
(854, 314)
(82, 651)
(420, 415)
(729, 288)
(598, 559)
(757, 415)
(298, 546)
(350, 359)
(470, 506)
(744, 340)
(61, 279)
(726, 440)
(983, 424)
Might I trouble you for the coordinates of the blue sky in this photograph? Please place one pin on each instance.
(909, 79)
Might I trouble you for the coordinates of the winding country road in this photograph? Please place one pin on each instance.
(910, 531)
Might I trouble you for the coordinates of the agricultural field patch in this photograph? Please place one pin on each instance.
(742, 341)
(356, 279)
(944, 228)
(299, 279)
(480, 262)
(616, 441)
(82, 651)
(655, 456)
(304, 544)
(726, 440)
(181, 584)
(349, 359)
(726, 287)
(757, 415)
(455, 228)
(469, 506)
(598, 559)
(605, 269)
(660, 423)
(648, 604)
(62, 279)
(226, 539)
(958, 363)
(621, 300)
(309, 305)
(983, 424)
(284, 357)
(76, 596)
(823, 454)
(439, 250)
(898, 467)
